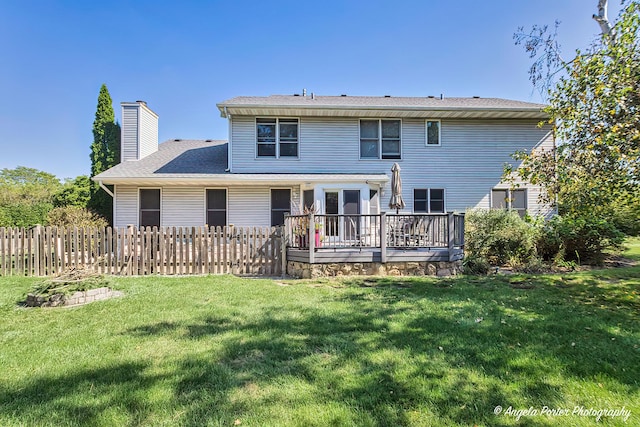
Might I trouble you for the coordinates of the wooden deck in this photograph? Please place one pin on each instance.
(325, 256)
(321, 239)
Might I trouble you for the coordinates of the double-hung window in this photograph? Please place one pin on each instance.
(428, 200)
(380, 139)
(515, 200)
(277, 137)
(216, 207)
(280, 205)
(149, 207)
(433, 132)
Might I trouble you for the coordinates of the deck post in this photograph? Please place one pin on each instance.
(383, 237)
(451, 236)
(311, 237)
(284, 243)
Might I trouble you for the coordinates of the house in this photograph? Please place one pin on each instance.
(335, 153)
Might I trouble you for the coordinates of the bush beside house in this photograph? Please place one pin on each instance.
(499, 237)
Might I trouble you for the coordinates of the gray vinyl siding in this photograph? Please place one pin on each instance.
(148, 132)
(468, 163)
(125, 206)
(183, 207)
(249, 207)
(129, 133)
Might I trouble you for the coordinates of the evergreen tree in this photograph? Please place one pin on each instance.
(105, 151)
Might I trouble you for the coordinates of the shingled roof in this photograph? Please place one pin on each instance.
(197, 162)
(175, 158)
(378, 101)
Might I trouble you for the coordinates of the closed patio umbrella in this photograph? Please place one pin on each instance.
(396, 201)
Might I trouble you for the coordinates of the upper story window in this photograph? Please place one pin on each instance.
(428, 200)
(380, 139)
(277, 137)
(433, 132)
(515, 200)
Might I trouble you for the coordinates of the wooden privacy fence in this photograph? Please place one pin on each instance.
(45, 251)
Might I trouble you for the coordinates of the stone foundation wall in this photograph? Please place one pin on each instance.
(77, 298)
(410, 268)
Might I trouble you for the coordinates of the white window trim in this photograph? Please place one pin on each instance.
(206, 205)
(444, 199)
(509, 197)
(138, 204)
(426, 133)
(277, 142)
(379, 138)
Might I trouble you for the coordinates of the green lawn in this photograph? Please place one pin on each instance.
(226, 351)
(632, 249)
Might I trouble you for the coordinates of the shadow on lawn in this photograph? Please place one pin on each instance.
(391, 352)
(84, 397)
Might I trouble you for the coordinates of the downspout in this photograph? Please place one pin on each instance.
(229, 156)
(105, 189)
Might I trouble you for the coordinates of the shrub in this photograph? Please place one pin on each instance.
(475, 264)
(583, 239)
(75, 216)
(499, 237)
(626, 216)
(24, 214)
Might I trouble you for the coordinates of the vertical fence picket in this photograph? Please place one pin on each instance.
(274, 257)
(134, 248)
(192, 250)
(198, 247)
(55, 250)
(31, 252)
(174, 251)
(141, 247)
(208, 234)
(3, 250)
(12, 252)
(154, 250)
(20, 251)
(225, 250)
(108, 248)
(148, 251)
(117, 249)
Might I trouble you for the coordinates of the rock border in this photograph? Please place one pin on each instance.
(75, 299)
(303, 270)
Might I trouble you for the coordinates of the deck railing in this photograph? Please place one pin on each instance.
(403, 231)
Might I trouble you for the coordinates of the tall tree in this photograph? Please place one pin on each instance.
(105, 151)
(594, 105)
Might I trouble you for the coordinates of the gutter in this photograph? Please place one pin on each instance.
(246, 179)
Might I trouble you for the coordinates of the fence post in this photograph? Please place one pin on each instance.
(311, 238)
(283, 248)
(451, 236)
(383, 237)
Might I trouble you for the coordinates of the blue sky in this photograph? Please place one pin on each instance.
(184, 57)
